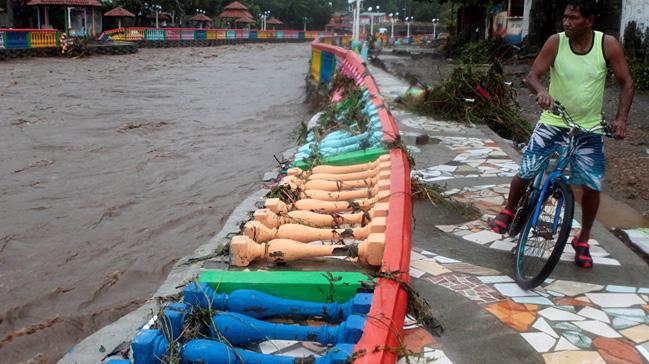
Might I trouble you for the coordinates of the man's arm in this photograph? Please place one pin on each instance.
(540, 67)
(615, 57)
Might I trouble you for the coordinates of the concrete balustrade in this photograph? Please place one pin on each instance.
(244, 250)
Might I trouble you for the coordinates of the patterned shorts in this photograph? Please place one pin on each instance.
(587, 165)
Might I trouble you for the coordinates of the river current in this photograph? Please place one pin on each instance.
(113, 167)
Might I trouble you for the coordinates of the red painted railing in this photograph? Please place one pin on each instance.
(384, 325)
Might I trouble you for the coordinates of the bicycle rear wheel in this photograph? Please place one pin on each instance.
(542, 241)
(523, 209)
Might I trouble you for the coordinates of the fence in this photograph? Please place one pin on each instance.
(28, 38)
(390, 299)
(190, 34)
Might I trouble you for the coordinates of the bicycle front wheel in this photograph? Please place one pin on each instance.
(543, 238)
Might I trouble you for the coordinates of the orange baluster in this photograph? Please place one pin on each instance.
(337, 185)
(258, 232)
(309, 218)
(244, 250)
(351, 176)
(347, 195)
(279, 207)
(340, 169)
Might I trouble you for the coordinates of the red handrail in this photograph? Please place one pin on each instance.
(384, 325)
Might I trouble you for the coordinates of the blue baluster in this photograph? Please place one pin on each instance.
(261, 305)
(149, 347)
(173, 319)
(213, 352)
(242, 330)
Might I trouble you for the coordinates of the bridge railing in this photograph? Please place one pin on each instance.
(29, 38)
(176, 34)
(384, 332)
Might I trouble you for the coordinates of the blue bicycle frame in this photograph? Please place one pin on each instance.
(557, 173)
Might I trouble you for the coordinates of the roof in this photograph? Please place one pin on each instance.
(200, 17)
(235, 14)
(245, 19)
(235, 5)
(274, 21)
(119, 12)
(65, 2)
(161, 16)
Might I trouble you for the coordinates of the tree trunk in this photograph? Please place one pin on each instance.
(10, 13)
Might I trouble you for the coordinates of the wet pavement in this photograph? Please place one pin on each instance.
(464, 270)
(114, 167)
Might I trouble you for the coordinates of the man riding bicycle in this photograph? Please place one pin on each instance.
(578, 61)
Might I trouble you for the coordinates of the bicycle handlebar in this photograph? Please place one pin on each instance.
(559, 110)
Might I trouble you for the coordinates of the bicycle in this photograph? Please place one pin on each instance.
(543, 216)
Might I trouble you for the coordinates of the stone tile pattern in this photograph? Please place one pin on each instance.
(475, 157)
(490, 200)
(572, 322)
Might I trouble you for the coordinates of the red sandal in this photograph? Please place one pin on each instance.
(582, 253)
(500, 224)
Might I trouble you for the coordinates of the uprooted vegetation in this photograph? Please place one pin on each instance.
(473, 96)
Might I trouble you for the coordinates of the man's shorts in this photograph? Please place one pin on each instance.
(587, 165)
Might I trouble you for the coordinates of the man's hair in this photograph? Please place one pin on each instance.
(586, 7)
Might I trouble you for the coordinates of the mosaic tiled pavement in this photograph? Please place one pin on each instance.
(564, 321)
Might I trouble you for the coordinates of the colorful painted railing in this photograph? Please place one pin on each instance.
(176, 34)
(29, 38)
(389, 305)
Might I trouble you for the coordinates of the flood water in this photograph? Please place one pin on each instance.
(111, 168)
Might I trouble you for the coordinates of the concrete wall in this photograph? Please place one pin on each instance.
(635, 10)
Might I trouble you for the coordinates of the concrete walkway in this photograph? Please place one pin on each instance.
(464, 270)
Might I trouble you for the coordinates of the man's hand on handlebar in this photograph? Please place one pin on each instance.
(544, 100)
(619, 128)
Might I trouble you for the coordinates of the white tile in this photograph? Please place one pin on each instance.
(543, 326)
(495, 279)
(620, 289)
(272, 346)
(643, 290)
(564, 345)
(414, 272)
(533, 300)
(429, 253)
(615, 299)
(483, 237)
(445, 260)
(554, 314)
(446, 228)
(598, 328)
(571, 288)
(540, 341)
(415, 256)
(443, 167)
(555, 294)
(642, 349)
(300, 353)
(605, 261)
(429, 266)
(502, 245)
(440, 178)
(513, 290)
(593, 313)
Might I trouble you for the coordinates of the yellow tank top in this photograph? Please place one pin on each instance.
(577, 81)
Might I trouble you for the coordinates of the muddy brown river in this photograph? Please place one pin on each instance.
(111, 168)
